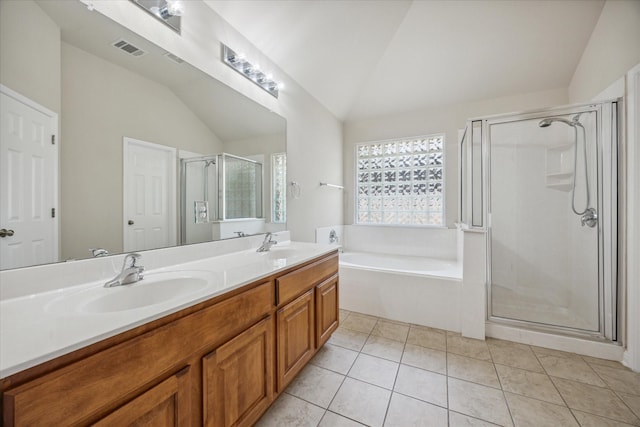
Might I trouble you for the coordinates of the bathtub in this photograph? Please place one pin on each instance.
(419, 290)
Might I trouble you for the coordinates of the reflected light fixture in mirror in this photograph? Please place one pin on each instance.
(238, 62)
(166, 11)
(107, 95)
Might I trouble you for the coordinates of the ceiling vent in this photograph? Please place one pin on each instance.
(129, 48)
(174, 58)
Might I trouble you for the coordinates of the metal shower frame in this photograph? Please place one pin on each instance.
(608, 125)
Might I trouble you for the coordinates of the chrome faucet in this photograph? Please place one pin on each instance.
(333, 236)
(98, 252)
(130, 273)
(267, 243)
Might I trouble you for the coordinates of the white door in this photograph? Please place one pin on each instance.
(28, 182)
(149, 195)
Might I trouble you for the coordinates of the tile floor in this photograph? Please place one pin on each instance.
(376, 372)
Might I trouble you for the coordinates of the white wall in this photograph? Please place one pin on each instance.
(91, 159)
(314, 136)
(632, 358)
(436, 243)
(24, 27)
(612, 50)
(448, 119)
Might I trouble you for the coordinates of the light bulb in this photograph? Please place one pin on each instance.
(175, 7)
(172, 8)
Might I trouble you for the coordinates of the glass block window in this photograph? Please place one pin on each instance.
(400, 182)
(279, 188)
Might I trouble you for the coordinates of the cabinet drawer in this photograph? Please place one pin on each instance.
(297, 282)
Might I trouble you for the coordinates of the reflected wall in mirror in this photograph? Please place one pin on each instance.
(70, 60)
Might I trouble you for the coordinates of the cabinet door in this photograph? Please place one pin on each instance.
(238, 378)
(296, 337)
(326, 309)
(166, 404)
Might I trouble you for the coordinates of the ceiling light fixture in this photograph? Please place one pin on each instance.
(238, 62)
(167, 11)
(172, 8)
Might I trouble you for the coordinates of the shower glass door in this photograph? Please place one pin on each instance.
(545, 219)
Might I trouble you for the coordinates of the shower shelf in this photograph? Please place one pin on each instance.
(559, 175)
(559, 167)
(562, 186)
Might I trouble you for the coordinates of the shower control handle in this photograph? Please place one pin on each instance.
(590, 218)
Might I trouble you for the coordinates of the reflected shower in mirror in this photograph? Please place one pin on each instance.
(221, 197)
(109, 86)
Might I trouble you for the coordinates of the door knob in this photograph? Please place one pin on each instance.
(6, 233)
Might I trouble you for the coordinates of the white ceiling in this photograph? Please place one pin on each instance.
(365, 58)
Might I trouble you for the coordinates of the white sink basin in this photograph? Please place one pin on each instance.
(154, 289)
(283, 252)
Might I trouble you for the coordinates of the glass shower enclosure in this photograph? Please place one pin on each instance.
(543, 185)
(217, 188)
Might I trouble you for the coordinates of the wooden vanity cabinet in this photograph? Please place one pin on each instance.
(296, 337)
(304, 320)
(165, 405)
(219, 363)
(327, 310)
(238, 378)
(89, 388)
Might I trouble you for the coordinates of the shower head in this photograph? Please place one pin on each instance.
(547, 122)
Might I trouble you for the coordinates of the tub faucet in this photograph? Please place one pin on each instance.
(130, 273)
(267, 243)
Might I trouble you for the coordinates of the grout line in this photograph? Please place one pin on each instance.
(475, 418)
(600, 416)
(336, 393)
(395, 380)
(446, 370)
(350, 419)
(617, 393)
(554, 385)
(447, 375)
(504, 396)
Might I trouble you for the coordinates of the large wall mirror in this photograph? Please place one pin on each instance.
(132, 117)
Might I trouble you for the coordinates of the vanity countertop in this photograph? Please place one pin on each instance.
(41, 326)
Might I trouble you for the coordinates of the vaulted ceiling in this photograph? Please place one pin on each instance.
(366, 58)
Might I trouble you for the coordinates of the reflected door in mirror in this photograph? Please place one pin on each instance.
(28, 185)
(149, 188)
